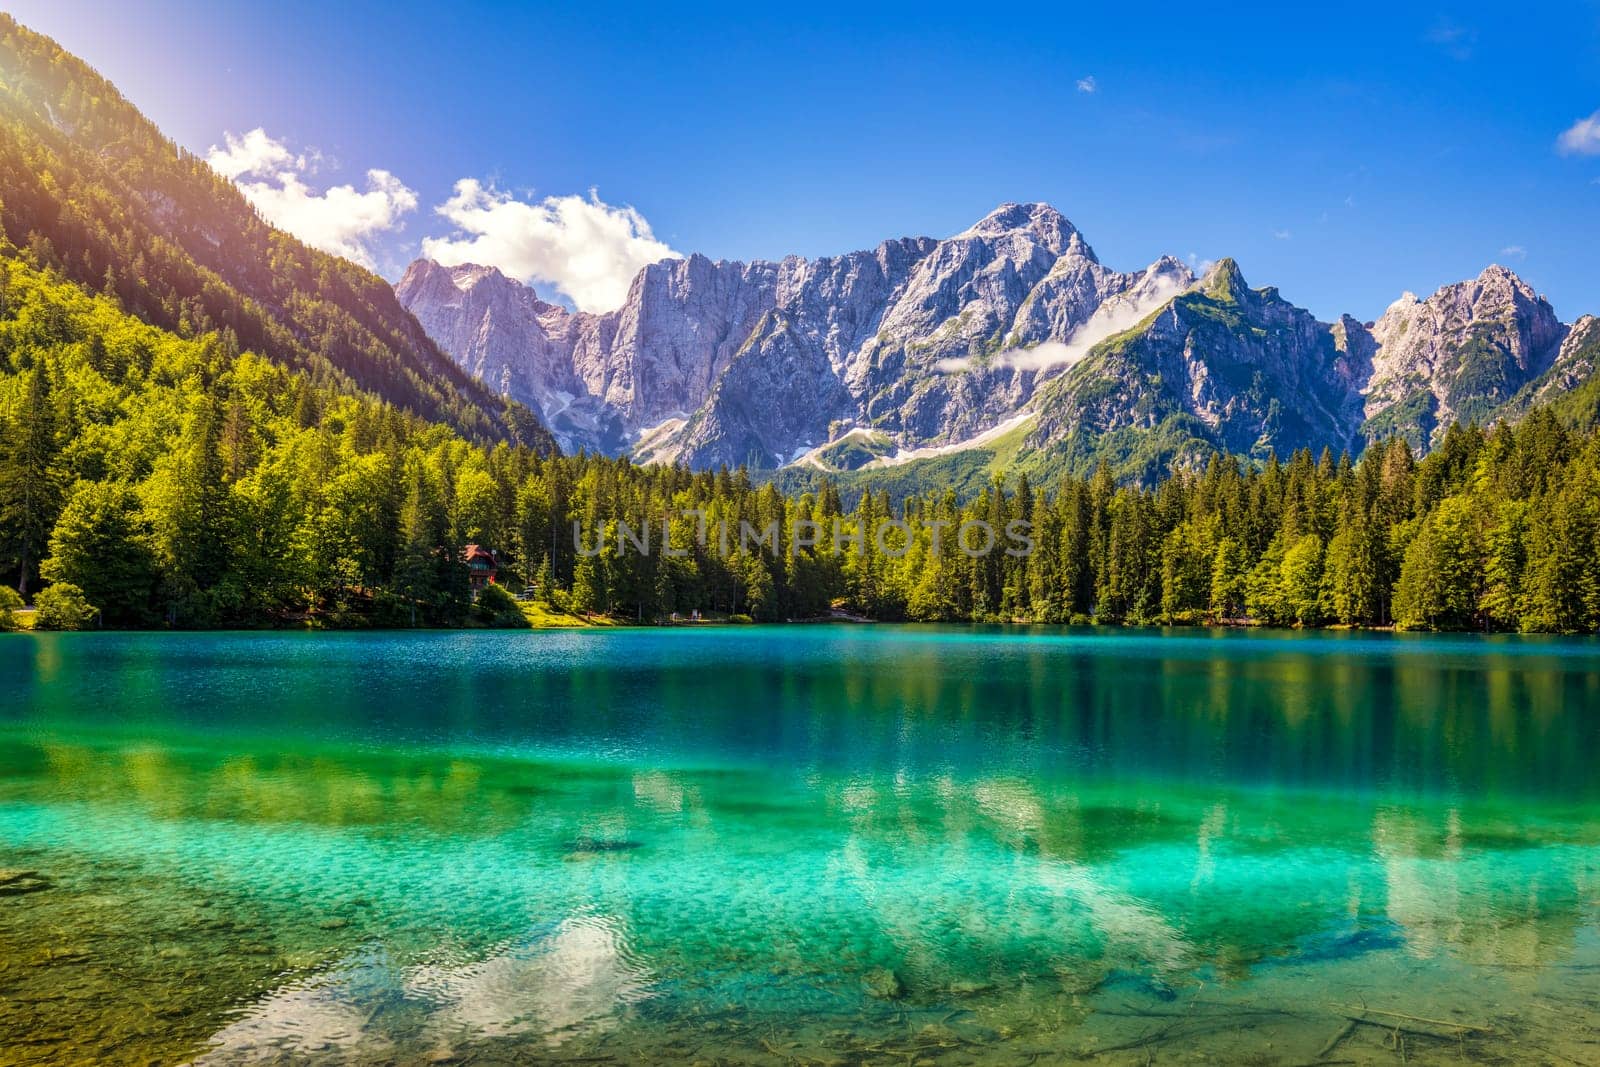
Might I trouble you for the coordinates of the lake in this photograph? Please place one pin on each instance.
(792, 845)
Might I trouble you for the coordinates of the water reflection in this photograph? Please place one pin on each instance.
(556, 985)
(338, 852)
(552, 985)
(1427, 715)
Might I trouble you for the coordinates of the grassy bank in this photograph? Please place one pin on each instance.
(543, 616)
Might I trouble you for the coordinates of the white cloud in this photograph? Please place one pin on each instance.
(1282, 235)
(1582, 138)
(1088, 84)
(341, 219)
(588, 249)
(1111, 317)
(1514, 252)
(253, 153)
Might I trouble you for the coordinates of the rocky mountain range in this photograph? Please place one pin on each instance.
(1011, 329)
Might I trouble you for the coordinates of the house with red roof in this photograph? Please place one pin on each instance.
(482, 566)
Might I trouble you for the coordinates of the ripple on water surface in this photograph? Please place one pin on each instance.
(801, 845)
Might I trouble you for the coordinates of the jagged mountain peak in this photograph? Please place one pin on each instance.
(1458, 355)
(1403, 301)
(1497, 290)
(1495, 285)
(1224, 280)
(1168, 264)
(928, 343)
(471, 275)
(482, 284)
(1039, 221)
(463, 276)
(1499, 272)
(1494, 282)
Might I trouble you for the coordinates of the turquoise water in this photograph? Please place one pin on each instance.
(799, 845)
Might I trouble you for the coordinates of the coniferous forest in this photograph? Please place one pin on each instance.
(204, 422)
(152, 480)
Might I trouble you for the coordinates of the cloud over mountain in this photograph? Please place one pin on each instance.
(340, 219)
(586, 248)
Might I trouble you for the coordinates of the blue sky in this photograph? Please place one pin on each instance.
(1343, 153)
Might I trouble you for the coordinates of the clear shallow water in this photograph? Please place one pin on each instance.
(799, 845)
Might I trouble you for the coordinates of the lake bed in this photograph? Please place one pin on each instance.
(799, 845)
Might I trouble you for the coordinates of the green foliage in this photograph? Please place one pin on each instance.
(1302, 581)
(10, 604)
(1439, 578)
(1483, 378)
(31, 478)
(497, 608)
(855, 450)
(63, 606)
(101, 544)
(1413, 418)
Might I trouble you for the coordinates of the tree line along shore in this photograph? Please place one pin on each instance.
(150, 479)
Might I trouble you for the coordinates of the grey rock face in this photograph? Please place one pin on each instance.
(1221, 364)
(500, 331)
(1458, 355)
(714, 361)
(931, 342)
(1225, 366)
(1573, 366)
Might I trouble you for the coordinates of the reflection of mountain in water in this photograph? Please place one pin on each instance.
(832, 825)
(571, 980)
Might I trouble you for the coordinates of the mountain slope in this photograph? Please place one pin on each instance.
(1458, 355)
(922, 340)
(922, 347)
(92, 188)
(1222, 366)
(1569, 387)
(1226, 368)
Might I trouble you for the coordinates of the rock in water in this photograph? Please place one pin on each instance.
(16, 882)
(883, 983)
(583, 846)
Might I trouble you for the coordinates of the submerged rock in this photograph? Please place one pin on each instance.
(15, 882)
(883, 983)
(969, 988)
(582, 846)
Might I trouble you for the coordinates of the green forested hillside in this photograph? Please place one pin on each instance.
(91, 188)
(177, 482)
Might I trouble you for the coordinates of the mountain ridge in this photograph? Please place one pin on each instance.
(859, 339)
(925, 343)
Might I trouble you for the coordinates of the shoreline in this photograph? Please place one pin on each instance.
(1019, 628)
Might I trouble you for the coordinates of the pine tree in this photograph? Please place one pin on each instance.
(1229, 578)
(1506, 556)
(31, 481)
